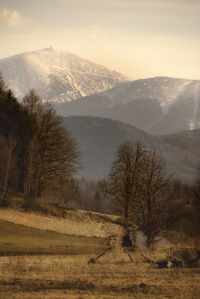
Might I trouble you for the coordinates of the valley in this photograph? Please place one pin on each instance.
(159, 105)
(99, 138)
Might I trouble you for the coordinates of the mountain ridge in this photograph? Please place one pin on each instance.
(56, 76)
(98, 139)
(76, 86)
(159, 105)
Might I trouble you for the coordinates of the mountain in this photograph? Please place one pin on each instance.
(159, 105)
(98, 140)
(56, 76)
(76, 86)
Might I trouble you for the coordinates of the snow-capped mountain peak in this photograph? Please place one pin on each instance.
(57, 75)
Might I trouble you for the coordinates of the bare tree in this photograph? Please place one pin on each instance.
(11, 147)
(196, 200)
(125, 176)
(150, 211)
(138, 184)
(51, 152)
(7, 165)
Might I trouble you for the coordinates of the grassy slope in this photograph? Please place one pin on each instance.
(75, 223)
(19, 239)
(70, 276)
(78, 232)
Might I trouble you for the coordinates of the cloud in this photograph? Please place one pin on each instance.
(12, 18)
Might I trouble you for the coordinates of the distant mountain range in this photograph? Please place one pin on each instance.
(98, 140)
(159, 105)
(76, 86)
(105, 108)
(57, 76)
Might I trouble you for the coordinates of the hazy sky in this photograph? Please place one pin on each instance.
(140, 38)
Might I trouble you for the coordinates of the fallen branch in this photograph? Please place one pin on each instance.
(94, 260)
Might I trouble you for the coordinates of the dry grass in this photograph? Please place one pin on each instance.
(69, 276)
(76, 223)
(16, 239)
(72, 277)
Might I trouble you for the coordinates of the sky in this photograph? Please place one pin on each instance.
(139, 38)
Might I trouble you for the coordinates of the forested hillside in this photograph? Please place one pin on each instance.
(36, 152)
(99, 138)
(160, 105)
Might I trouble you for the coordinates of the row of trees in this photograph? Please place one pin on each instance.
(36, 152)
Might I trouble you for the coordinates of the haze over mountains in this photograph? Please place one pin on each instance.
(56, 76)
(98, 140)
(157, 105)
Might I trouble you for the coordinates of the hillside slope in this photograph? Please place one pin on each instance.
(157, 105)
(56, 76)
(98, 140)
(76, 223)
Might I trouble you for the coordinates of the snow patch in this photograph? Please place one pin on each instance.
(56, 75)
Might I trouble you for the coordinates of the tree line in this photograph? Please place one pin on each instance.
(36, 152)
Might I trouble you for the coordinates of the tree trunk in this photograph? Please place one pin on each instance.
(29, 179)
(12, 144)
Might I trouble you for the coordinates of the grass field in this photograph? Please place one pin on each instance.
(80, 223)
(16, 239)
(42, 263)
(71, 277)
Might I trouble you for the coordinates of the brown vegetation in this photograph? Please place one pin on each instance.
(138, 184)
(72, 277)
(38, 153)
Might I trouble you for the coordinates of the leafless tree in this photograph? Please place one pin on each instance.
(7, 166)
(153, 197)
(138, 184)
(51, 152)
(195, 202)
(11, 147)
(125, 177)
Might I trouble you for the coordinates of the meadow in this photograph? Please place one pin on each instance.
(40, 263)
(71, 276)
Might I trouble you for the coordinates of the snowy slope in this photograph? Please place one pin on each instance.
(164, 89)
(57, 76)
(159, 105)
